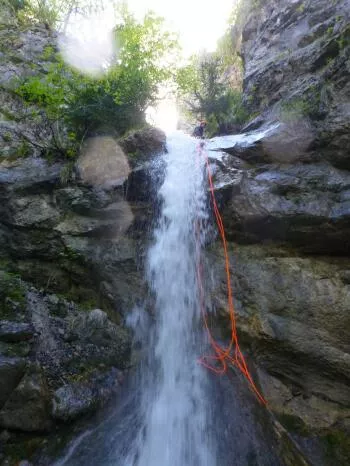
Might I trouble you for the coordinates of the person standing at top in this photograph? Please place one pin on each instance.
(199, 130)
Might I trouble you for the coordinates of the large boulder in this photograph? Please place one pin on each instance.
(306, 206)
(27, 408)
(144, 143)
(81, 398)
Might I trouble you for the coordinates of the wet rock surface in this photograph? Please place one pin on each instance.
(15, 331)
(285, 204)
(293, 315)
(305, 206)
(288, 227)
(74, 400)
(71, 237)
(11, 372)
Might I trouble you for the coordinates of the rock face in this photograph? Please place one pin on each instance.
(76, 399)
(284, 195)
(58, 362)
(296, 56)
(27, 408)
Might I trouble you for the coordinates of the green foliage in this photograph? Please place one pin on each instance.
(40, 11)
(204, 93)
(344, 39)
(14, 5)
(52, 13)
(66, 173)
(11, 291)
(301, 8)
(23, 149)
(295, 109)
(213, 126)
(226, 50)
(337, 447)
(118, 99)
(7, 137)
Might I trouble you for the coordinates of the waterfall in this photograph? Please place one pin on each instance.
(175, 396)
(172, 411)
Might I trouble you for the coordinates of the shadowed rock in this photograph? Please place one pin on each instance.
(27, 408)
(11, 372)
(15, 331)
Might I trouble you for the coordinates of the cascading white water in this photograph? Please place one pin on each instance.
(164, 416)
(176, 418)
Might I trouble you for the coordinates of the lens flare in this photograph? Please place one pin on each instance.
(89, 45)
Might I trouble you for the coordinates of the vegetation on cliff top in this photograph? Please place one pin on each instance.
(70, 105)
(210, 84)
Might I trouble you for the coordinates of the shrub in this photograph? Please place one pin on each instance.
(72, 105)
(204, 93)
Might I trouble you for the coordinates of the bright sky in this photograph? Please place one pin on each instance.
(199, 22)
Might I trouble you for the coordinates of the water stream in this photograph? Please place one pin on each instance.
(175, 400)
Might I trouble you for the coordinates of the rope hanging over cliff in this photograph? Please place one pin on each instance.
(232, 354)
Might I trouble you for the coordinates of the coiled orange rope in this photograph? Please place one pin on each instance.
(232, 354)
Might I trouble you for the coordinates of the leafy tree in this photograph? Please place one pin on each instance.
(203, 92)
(54, 14)
(118, 99)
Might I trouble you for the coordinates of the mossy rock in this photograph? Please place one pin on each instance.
(337, 448)
(12, 296)
(293, 424)
(21, 446)
(18, 349)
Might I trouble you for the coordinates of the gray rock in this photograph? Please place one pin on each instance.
(37, 211)
(140, 145)
(293, 312)
(97, 329)
(120, 219)
(82, 200)
(302, 205)
(295, 70)
(30, 174)
(77, 399)
(11, 372)
(15, 331)
(27, 408)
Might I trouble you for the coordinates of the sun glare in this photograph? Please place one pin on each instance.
(164, 116)
(88, 44)
(200, 23)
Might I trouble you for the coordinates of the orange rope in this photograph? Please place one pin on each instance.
(232, 354)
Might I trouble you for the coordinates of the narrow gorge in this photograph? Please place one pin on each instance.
(97, 251)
